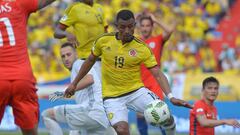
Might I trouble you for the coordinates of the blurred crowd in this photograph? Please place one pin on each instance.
(187, 50)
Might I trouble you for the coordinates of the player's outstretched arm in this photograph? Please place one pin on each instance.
(85, 68)
(167, 31)
(201, 118)
(60, 32)
(163, 82)
(44, 3)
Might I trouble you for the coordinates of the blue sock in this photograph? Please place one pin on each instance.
(142, 126)
(163, 131)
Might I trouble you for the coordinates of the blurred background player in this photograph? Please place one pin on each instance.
(87, 20)
(203, 117)
(122, 54)
(88, 114)
(156, 43)
(17, 83)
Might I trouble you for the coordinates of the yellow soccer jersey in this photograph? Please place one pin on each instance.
(121, 64)
(87, 22)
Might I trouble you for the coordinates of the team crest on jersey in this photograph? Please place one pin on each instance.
(133, 52)
(110, 116)
(199, 110)
(152, 45)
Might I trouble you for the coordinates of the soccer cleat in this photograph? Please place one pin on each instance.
(55, 96)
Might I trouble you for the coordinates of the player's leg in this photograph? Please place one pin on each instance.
(142, 124)
(78, 118)
(25, 106)
(5, 90)
(140, 101)
(117, 112)
(51, 117)
(96, 128)
(110, 131)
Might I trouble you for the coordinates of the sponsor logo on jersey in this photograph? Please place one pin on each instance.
(133, 52)
(64, 18)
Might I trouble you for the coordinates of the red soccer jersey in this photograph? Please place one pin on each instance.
(156, 44)
(14, 60)
(202, 108)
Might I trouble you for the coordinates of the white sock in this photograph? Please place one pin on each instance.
(74, 132)
(52, 126)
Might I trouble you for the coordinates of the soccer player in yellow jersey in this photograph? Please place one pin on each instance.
(87, 20)
(122, 55)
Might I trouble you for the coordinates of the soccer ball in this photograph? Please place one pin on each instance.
(157, 113)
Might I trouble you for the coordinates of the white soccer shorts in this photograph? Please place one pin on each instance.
(117, 108)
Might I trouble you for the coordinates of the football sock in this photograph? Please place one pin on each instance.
(163, 131)
(142, 126)
(74, 132)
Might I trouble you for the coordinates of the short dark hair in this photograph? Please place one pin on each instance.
(124, 15)
(66, 44)
(208, 80)
(146, 18)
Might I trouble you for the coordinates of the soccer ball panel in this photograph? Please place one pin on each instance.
(157, 113)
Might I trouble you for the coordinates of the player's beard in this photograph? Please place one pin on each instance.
(128, 37)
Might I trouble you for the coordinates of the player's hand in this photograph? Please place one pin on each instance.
(179, 102)
(72, 39)
(70, 91)
(232, 122)
(55, 96)
(154, 19)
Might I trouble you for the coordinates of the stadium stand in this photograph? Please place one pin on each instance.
(201, 34)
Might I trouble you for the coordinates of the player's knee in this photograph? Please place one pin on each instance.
(121, 128)
(170, 124)
(48, 113)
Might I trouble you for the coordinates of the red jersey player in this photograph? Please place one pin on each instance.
(156, 43)
(203, 116)
(17, 83)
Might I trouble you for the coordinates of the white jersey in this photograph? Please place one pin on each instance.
(90, 97)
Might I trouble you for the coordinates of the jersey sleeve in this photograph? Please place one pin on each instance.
(69, 16)
(199, 108)
(96, 50)
(104, 18)
(149, 60)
